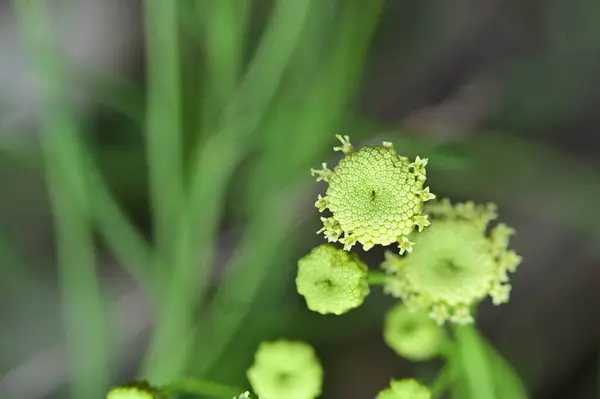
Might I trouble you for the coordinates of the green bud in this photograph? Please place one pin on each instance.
(375, 197)
(412, 333)
(405, 389)
(286, 369)
(332, 280)
(134, 390)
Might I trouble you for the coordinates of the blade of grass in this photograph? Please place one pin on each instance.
(213, 164)
(163, 123)
(85, 318)
(121, 236)
(270, 221)
(476, 369)
(224, 23)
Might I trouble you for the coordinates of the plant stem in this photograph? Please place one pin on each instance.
(163, 124)
(377, 277)
(441, 381)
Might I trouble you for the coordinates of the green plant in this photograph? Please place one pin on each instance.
(296, 89)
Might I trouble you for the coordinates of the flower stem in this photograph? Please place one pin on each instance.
(377, 278)
(441, 382)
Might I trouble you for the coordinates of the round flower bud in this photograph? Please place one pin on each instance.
(134, 390)
(405, 389)
(375, 197)
(286, 369)
(412, 334)
(457, 264)
(332, 280)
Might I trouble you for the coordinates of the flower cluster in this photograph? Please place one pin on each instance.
(457, 263)
(375, 197)
(286, 369)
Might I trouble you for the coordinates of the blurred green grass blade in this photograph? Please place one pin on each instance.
(270, 221)
(114, 226)
(475, 366)
(224, 24)
(163, 123)
(85, 317)
(212, 167)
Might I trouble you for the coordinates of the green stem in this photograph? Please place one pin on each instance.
(197, 387)
(441, 382)
(83, 307)
(377, 278)
(163, 123)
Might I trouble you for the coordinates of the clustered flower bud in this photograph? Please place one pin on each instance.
(405, 389)
(375, 197)
(134, 390)
(332, 280)
(412, 334)
(457, 263)
(286, 369)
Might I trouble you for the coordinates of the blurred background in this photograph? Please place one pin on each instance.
(181, 194)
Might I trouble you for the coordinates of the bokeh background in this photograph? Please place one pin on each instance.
(503, 97)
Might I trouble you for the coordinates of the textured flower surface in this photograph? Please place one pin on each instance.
(457, 263)
(286, 369)
(332, 280)
(412, 334)
(405, 389)
(375, 197)
(136, 390)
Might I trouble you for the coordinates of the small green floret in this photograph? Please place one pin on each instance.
(412, 334)
(135, 390)
(405, 389)
(375, 197)
(332, 280)
(286, 369)
(457, 263)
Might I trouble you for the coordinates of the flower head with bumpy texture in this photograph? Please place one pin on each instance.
(135, 390)
(412, 334)
(457, 263)
(374, 195)
(286, 369)
(405, 389)
(332, 280)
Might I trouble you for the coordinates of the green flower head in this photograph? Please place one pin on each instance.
(134, 390)
(412, 334)
(375, 197)
(332, 280)
(286, 369)
(405, 389)
(457, 263)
